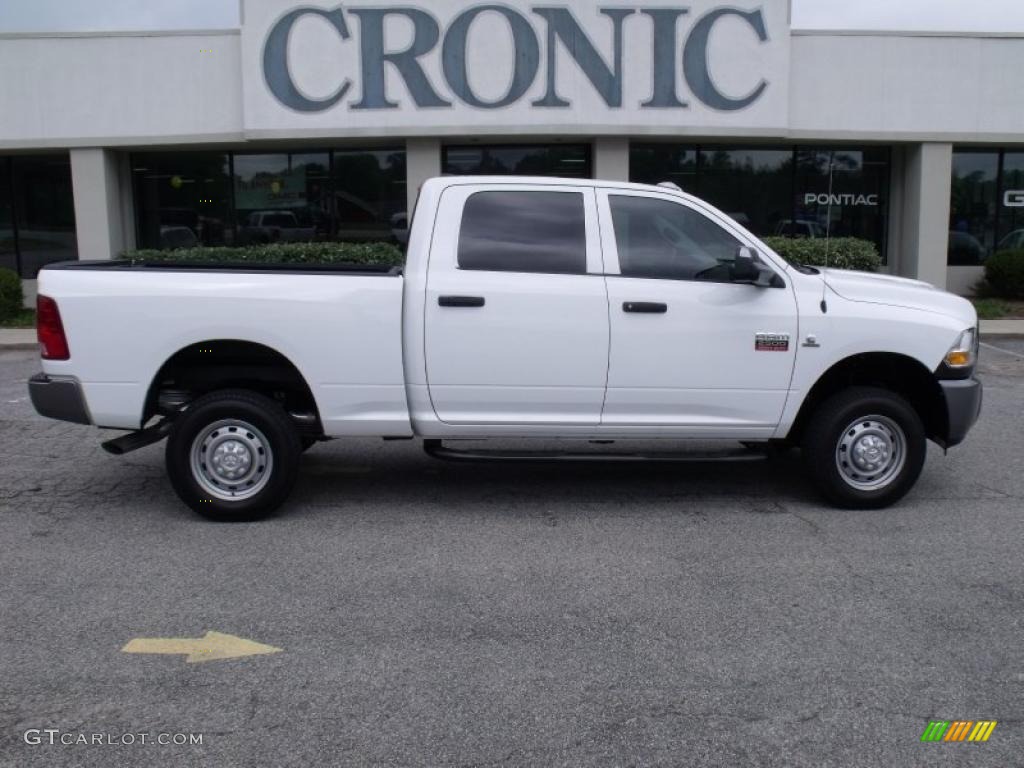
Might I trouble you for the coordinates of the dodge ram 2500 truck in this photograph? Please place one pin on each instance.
(527, 308)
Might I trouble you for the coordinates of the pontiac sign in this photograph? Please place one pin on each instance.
(452, 67)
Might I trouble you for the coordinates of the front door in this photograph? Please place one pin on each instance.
(689, 348)
(516, 307)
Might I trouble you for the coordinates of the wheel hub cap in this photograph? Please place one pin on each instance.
(871, 452)
(231, 460)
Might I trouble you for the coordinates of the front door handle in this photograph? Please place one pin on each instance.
(645, 307)
(460, 301)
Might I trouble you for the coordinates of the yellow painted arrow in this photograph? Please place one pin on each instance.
(213, 647)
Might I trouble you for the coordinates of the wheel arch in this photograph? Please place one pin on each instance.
(205, 366)
(895, 372)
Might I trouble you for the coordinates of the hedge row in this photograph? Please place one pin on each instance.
(279, 253)
(11, 296)
(841, 252)
(1004, 275)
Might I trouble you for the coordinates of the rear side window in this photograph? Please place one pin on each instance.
(524, 232)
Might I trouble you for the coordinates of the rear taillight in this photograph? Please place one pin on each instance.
(50, 330)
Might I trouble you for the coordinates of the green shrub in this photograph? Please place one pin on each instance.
(991, 309)
(279, 253)
(1004, 275)
(11, 296)
(843, 252)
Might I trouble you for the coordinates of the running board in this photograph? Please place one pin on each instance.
(436, 449)
(140, 439)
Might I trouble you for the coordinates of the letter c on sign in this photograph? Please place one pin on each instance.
(1014, 198)
(275, 61)
(697, 69)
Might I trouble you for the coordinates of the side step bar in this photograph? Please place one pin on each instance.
(437, 450)
(135, 440)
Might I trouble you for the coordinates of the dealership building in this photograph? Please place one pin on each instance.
(319, 121)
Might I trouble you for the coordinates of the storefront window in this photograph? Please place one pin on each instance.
(564, 160)
(182, 199)
(780, 190)
(281, 197)
(973, 207)
(843, 192)
(8, 252)
(37, 213)
(370, 195)
(751, 185)
(655, 163)
(1011, 213)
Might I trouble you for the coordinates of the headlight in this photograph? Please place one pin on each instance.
(964, 353)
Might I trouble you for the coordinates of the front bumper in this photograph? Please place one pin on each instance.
(58, 397)
(963, 406)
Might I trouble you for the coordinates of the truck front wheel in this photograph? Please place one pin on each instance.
(864, 448)
(233, 455)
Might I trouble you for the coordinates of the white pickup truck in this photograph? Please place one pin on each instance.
(528, 308)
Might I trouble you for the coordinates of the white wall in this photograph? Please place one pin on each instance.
(148, 89)
(91, 90)
(923, 88)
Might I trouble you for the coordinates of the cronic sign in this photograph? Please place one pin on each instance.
(544, 39)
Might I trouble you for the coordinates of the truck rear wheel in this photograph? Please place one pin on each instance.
(233, 455)
(865, 448)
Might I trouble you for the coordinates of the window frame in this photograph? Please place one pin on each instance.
(444, 250)
(610, 243)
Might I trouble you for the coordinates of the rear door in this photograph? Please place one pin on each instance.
(516, 307)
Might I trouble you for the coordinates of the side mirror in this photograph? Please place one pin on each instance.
(748, 269)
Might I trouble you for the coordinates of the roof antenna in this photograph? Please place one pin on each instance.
(828, 231)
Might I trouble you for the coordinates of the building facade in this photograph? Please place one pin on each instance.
(320, 121)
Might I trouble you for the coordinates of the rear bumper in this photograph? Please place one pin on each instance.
(58, 397)
(963, 406)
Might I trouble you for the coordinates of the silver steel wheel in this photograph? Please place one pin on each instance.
(871, 453)
(231, 460)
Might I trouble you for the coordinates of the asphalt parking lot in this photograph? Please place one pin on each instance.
(460, 615)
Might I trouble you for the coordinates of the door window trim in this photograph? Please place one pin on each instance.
(445, 245)
(610, 243)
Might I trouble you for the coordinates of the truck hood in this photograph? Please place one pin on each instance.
(872, 288)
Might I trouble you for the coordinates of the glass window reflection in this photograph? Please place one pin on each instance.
(779, 190)
(562, 160)
(369, 195)
(182, 199)
(842, 191)
(973, 209)
(751, 185)
(281, 197)
(1011, 214)
(44, 212)
(8, 250)
(524, 232)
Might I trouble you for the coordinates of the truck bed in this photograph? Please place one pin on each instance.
(339, 325)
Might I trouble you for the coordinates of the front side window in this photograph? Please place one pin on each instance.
(662, 239)
(524, 232)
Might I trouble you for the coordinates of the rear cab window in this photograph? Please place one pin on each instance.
(524, 231)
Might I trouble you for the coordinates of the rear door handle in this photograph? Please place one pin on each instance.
(645, 307)
(460, 301)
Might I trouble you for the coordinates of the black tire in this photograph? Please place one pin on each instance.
(833, 434)
(308, 442)
(275, 444)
